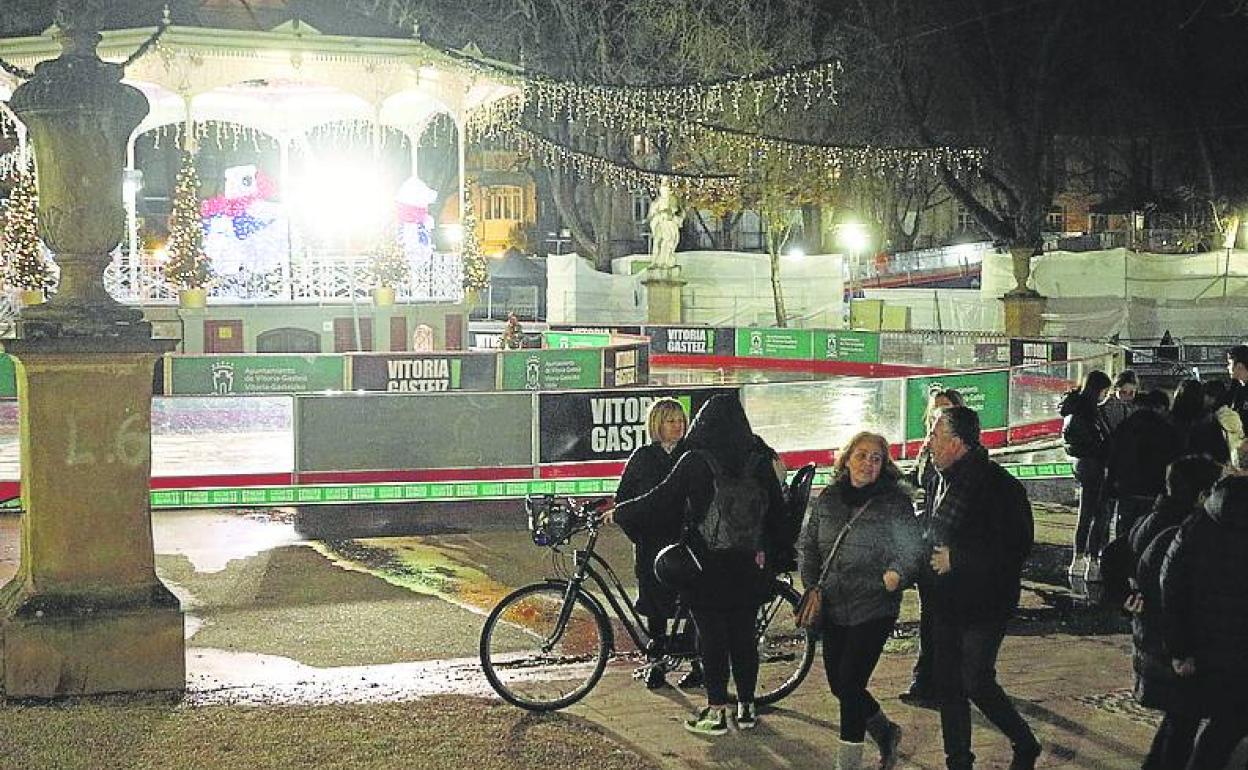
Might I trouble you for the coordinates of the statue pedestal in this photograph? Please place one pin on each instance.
(1024, 314)
(663, 305)
(85, 613)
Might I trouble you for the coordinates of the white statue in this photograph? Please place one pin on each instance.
(665, 218)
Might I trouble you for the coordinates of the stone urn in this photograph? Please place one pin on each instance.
(193, 298)
(1020, 259)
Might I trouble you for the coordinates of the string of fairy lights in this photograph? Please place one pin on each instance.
(661, 113)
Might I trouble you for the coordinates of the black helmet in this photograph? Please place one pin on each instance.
(677, 567)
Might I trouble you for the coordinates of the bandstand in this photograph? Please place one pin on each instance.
(290, 87)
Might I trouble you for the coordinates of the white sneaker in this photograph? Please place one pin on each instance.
(746, 716)
(1093, 573)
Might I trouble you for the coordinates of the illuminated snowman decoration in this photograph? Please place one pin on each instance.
(244, 230)
(416, 224)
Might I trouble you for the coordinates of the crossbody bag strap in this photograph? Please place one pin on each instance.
(839, 538)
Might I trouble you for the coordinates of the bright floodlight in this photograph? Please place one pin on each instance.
(343, 201)
(796, 251)
(454, 233)
(853, 236)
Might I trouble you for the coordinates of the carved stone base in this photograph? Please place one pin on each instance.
(81, 650)
(663, 303)
(86, 613)
(1024, 314)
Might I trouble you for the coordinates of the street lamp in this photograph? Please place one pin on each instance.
(854, 237)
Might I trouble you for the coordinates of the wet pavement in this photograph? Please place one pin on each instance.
(288, 607)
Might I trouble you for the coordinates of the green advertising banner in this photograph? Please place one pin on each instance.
(552, 369)
(8, 377)
(563, 340)
(249, 374)
(858, 347)
(775, 343)
(985, 392)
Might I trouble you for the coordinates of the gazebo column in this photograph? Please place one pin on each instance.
(462, 156)
(284, 141)
(130, 188)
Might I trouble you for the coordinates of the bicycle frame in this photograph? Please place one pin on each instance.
(585, 560)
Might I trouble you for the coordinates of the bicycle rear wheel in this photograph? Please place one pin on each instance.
(539, 658)
(785, 649)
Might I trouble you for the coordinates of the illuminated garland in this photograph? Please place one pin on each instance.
(25, 266)
(557, 156)
(389, 265)
(751, 94)
(188, 266)
(476, 270)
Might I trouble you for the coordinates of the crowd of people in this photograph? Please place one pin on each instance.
(859, 547)
(1165, 481)
(1161, 479)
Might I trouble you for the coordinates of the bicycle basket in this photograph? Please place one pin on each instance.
(550, 521)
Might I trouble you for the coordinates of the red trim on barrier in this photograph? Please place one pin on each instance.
(223, 480)
(847, 368)
(1035, 430)
(422, 474)
(599, 469)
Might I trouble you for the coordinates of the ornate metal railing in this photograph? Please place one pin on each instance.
(309, 278)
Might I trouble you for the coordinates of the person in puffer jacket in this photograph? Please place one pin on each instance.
(1204, 589)
(879, 554)
(1086, 440)
(1188, 482)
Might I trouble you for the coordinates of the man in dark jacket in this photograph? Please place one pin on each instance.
(981, 527)
(1140, 450)
(1204, 588)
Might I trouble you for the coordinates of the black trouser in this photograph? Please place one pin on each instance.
(849, 656)
(1091, 527)
(966, 659)
(922, 677)
(1172, 744)
(726, 637)
(1218, 740)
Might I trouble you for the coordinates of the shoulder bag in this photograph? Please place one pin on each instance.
(810, 610)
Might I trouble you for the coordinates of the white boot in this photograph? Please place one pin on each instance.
(850, 756)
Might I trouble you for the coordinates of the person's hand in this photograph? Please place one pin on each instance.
(940, 561)
(607, 516)
(760, 558)
(1134, 603)
(1184, 666)
(892, 581)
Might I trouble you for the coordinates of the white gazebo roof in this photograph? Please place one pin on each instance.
(282, 81)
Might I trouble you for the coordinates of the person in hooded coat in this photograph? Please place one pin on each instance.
(1086, 440)
(1204, 594)
(733, 582)
(1188, 482)
(647, 466)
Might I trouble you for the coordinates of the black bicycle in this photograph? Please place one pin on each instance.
(546, 645)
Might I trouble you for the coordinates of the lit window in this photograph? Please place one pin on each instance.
(503, 203)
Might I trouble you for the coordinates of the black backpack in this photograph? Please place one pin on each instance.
(734, 519)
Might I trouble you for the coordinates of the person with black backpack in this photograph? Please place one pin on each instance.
(734, 514)
(861, 546)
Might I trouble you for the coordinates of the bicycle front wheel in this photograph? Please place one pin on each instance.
(785, 649)
(543, 650)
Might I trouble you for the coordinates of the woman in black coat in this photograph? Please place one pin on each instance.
(1200, 433)
(720, 450)
(1086, 440)
(1204, 588)
(666, 423)
(1188, 481)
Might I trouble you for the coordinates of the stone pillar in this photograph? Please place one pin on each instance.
(1024, 315)
(86, 613)
(663, 301)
